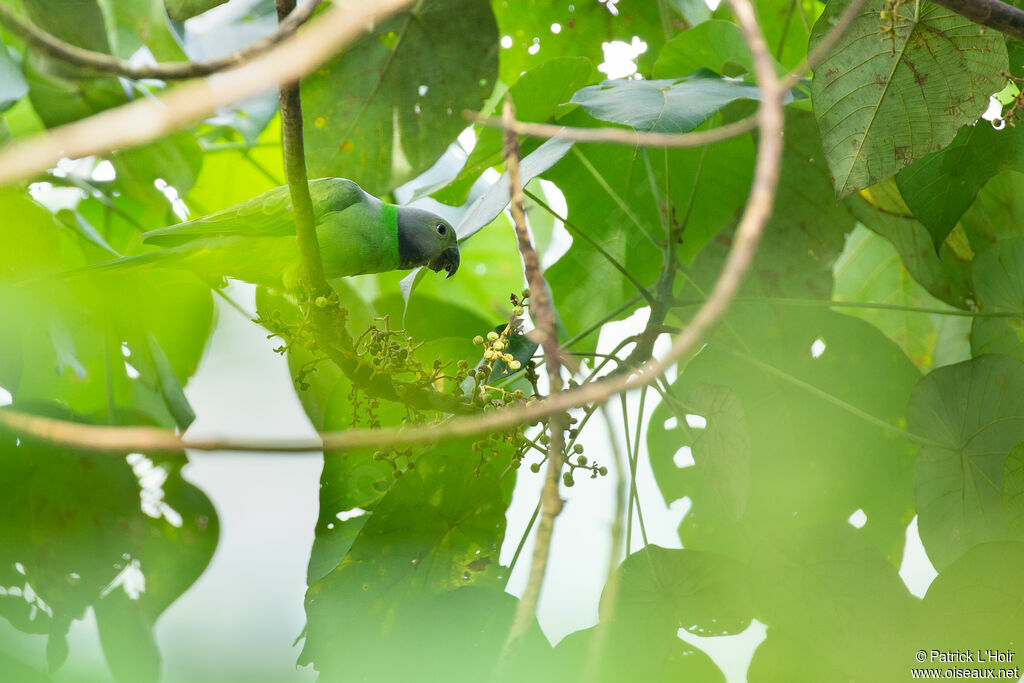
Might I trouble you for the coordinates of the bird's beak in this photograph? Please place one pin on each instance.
(449, 260)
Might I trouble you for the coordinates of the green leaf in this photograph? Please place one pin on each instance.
(803, 376)
(941, 186)
(883, 104)
(829, 592)
(582, 29)
(180, 10)
(787, 27)
(439, 528)
(972, 414)
(1013, 491)
(662, 589)
(665, 106)
(999, 283)
(386, 109)
(716, 45)
(974, 602)
(138, 23)
(12, 84)
(870, 271)
(944, 275)
(79, 22)
(806, 229)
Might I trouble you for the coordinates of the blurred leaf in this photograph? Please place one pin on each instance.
(79, 22)
(942, 185)
(830, 592)
(968, 601)
(870, 271)
(138, 23)
(74, 523)
(665, 106)
(180, 10)
(583, 28)
(663, 590)
(883, 104)
(1013, 490)
(12, 84)
(386, 109)
(439, 528)
(811, 376)
(786, 25)
(972, 414)
(997, 213)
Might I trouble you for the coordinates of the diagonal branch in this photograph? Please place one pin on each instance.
(992, 13)
(98, 62)
(544, 314)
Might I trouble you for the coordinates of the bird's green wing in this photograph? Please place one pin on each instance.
(268, 215)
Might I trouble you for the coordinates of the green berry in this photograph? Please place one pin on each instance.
(321, 302)
(515, 365)
(492, 336)
(518, 311)
(526, 294)
(581, 461)
(603, 471)
(535, 467)
(578, 448)
(567, 479)
(478, 340)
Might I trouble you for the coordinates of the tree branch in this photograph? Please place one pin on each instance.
(543, 313)
(98, 62)
(149, 118)
(992, 13)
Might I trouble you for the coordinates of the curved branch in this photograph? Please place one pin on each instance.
(98, 62)
(147, 119)
(992, 13)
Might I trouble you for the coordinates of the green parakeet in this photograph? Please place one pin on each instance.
(255, 241)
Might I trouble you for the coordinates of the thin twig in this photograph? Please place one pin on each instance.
(149, 118)
(97, 62)
(744, 246)
(622, 136)
(544, 316)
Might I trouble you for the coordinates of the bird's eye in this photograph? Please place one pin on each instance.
(442, 229)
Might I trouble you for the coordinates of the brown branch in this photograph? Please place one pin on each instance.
(621, 136)
(98, 62)
(744, 246)
(149, 118)
(543, 313)
(992, 13)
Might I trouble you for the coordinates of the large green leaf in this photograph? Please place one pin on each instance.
(827, 592)
(665, 106)
(999, 283)
(803, 376)
(997, 213)
(870, 271)
(971, 415)
(386, 109)
(804, 234)
(582, 29)
(438, 529)
(939, 187)
(881, 105)
(716, 45)
(945, 275)
(975, 602)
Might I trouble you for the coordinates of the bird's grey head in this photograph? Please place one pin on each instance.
(426, 239)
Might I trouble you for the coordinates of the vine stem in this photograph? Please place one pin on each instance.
(543, 313)
(98, 62)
